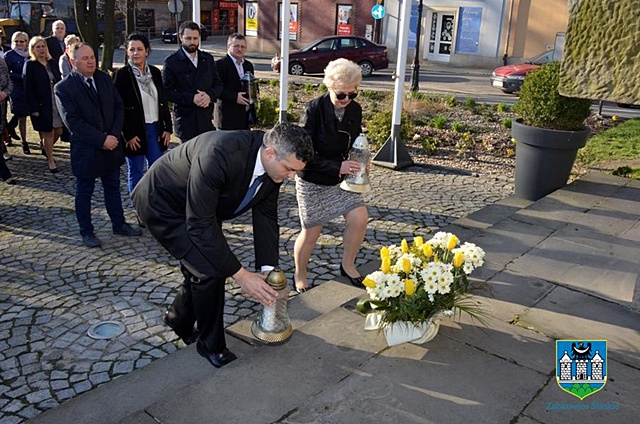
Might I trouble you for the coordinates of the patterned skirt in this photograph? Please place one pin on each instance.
(319, 204)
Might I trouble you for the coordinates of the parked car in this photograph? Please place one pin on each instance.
(313, 58)
(170, 35)
(509, 78)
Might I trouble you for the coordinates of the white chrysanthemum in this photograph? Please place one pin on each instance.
(444, 288)
(387, 292)
(445, 278)
(440, 239)
(396, 291)
(431, 287)
(467, 267)
(431, 298)
(378, 276)
(394, 252)
(393, 280)
(447, 313)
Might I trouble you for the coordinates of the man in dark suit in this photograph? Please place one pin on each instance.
(233, 107)
(183, 199)
(91, 108)
(55, 42)
(192, 84)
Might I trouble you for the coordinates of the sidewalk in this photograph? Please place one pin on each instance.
(564, 267)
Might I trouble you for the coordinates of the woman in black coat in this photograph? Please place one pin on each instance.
(15, 59)
(41, 74)
(147, 121)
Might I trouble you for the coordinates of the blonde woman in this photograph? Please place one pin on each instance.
(41, 74)
(333, 121)
(15, 59)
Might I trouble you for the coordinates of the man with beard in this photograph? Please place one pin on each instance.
(192, 84)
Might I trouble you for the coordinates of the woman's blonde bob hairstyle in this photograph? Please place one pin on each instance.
(342, 72)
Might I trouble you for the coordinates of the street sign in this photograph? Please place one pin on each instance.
(175, 6)
(378, 11)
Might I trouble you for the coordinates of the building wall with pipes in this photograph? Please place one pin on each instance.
(477, 32)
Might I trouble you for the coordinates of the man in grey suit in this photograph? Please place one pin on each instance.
(192, 84)
(185, 196)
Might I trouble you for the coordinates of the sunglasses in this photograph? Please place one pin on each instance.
(342, 96)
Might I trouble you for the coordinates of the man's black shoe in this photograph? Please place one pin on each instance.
(185, 336)
(90, 240)
(216, 359)
(127, 230)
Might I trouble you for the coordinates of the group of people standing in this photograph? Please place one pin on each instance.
(211, 176)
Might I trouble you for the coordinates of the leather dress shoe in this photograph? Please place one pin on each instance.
(90, 240)
(127, 230)
(216, 359)
(185, 336)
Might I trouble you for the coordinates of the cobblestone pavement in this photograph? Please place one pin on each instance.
(52, 289)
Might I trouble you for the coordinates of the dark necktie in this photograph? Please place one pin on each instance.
(91, 86)
(251, 192)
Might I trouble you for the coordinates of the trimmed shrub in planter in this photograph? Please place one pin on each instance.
(548, 135)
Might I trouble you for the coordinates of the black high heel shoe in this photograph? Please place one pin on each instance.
(355, 281)
(300, 290)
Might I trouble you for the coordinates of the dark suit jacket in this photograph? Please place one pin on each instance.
(55, 50)
(90, 118)
(134, 123)
(332, 139)
(229, 115)
(38, 91)
(187, 193)
(181, 82)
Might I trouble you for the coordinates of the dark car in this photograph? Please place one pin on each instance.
(170, 35)
(313, 58)
(509, 78)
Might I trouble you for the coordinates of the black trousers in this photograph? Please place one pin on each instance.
(201, 299)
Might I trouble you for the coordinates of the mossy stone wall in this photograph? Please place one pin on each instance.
(601, 58)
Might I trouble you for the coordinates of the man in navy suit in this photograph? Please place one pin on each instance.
(192, 84)
(91, 108)
(185, 196)
(232, 107)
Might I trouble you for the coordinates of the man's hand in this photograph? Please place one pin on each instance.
(110, 143)
(255, 286)
(201, 99)
(134, 143)
(241, 100)
(166, 138)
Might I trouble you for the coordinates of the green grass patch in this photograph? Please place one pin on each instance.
(618, 143)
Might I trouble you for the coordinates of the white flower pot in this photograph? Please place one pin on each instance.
(403, 332)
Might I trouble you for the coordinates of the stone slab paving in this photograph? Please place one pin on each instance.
(52, 289)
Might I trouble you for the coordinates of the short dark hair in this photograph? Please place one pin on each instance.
(235, 36)
(288, 139)
(189, 25)
(139, 37)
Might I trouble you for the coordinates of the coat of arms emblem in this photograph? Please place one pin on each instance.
(581, 366)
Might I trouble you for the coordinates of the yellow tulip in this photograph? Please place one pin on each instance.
(418, 241)
(368, 282)
(406, 265)
(409, 287)
(384, 253)
(458, 259)
(453, 242)
(436, 258)
(614, 118)
(427, 249)
(386, 265)
(405, 246)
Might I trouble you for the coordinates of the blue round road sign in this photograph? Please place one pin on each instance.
(377, 11)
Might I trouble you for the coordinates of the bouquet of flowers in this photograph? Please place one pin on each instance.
(418, 281)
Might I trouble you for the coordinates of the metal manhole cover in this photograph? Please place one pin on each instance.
(106, 330)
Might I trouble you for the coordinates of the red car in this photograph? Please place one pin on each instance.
(313, 58)
(509, 78)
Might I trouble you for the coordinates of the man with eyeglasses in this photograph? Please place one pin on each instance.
(192, 84)
(233, 110)
(183, 200)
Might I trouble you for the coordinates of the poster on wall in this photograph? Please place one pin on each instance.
(468, 38)
(251, 19)
(345, 26)
(293, 22)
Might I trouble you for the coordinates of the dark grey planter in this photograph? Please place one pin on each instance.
(544, 158)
